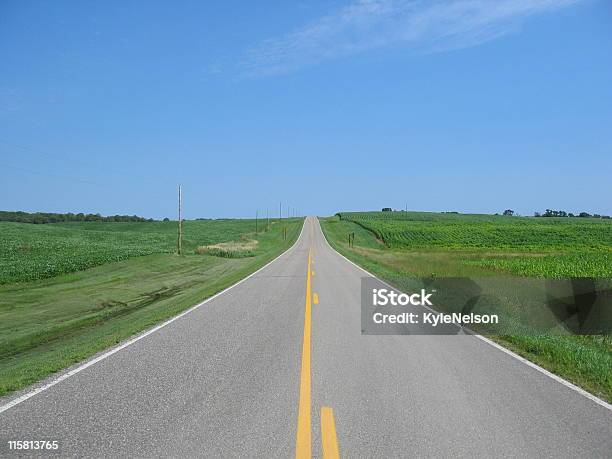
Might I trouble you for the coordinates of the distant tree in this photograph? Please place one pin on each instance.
(387, 209)
(166, 219)
(42, 217)
(562, 213)
(508, 212)
(554, 213)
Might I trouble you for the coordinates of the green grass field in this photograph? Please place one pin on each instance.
(31, 252)
(543, 247)
(95, 284)
(399, 246)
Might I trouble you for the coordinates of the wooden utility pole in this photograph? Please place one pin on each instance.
(180, 224)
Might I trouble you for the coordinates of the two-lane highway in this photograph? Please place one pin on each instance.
(277, 366)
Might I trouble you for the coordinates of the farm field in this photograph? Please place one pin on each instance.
(31, 252)
(542, 247)
(70, 290)
(399, 246)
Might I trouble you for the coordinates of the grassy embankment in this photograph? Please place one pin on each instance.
(69, 290)
(400, 245)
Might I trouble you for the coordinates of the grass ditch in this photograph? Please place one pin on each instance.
(232, 249)
(49, 324)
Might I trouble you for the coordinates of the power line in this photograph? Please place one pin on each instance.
(180, 224)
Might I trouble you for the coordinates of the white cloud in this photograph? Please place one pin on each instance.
(372, 24)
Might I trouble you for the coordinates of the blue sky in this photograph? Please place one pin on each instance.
(473, 106)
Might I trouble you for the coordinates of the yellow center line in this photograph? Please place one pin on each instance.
(315, 298)
(303, 440)
(328, 434)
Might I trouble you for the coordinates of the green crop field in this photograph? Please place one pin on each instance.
(543, 247)
(69, 290)
(402, 246)
(31, 252)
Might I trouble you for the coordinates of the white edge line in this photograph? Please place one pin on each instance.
(494, 344)
(107, 354)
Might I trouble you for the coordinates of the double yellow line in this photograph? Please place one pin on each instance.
(303, 444)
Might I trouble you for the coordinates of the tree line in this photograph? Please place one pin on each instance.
(562, 213)
(49, 217)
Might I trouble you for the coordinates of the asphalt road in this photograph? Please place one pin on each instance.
(247, 374)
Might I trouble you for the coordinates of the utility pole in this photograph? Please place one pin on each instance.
(180, 218)
(280, 211)
(256, 215)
